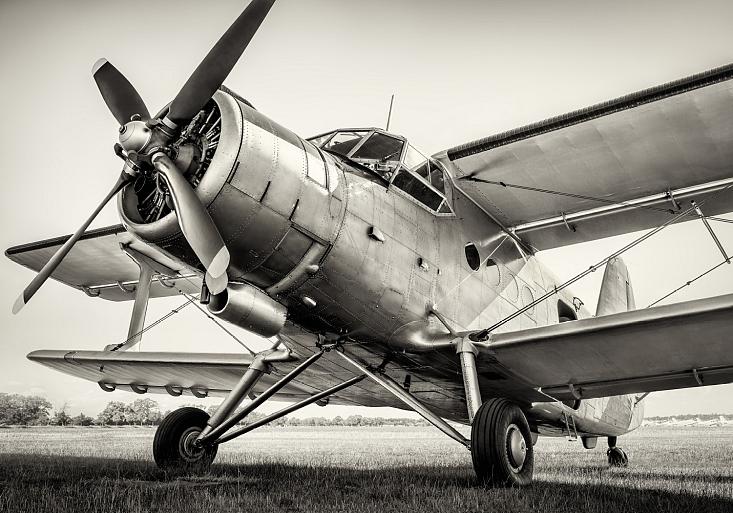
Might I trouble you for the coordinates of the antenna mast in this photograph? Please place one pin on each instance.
(389, 114)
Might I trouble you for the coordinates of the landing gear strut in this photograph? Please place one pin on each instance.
(501, 444)
(187, 439)
(616, 456)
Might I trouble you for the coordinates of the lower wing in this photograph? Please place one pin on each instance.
(668, 347)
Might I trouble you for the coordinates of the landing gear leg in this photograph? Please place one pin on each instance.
(501, 444)
(616, 456)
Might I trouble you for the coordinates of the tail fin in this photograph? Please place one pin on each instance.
(617, 294)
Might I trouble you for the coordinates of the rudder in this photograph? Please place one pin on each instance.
(617, 294)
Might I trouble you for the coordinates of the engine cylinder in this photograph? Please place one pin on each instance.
(248, 307)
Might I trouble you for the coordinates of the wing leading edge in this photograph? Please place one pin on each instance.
(668, 347)
(99, 266)
(621, 166)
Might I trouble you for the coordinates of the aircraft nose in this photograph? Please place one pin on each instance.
(265, 188)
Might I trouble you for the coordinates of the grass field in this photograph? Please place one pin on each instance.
(359, 469)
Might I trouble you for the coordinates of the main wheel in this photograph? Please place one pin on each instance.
(501, 444)
(173, 446)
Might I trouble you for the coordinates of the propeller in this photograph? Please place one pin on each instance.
(218, 63)
(52, 264)
(118, 93)
(196, 224)
(143, 143)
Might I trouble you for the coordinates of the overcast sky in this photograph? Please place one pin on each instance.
(461, 70)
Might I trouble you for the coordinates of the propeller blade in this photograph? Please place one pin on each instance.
(120, 96)
(52, 264)
(196, 224)
(217, 285)
(218, 63)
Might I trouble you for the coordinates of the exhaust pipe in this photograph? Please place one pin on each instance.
(249, 308)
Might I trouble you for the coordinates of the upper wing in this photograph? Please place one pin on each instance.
(607, 169)
(98, 265)
(663, 348)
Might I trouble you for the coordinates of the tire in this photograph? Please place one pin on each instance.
(172, 446)
(500, 436)
(617, 457)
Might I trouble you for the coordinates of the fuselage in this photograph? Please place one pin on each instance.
(347, 252)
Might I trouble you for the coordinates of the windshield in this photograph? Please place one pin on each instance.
(344, 142)
(380, 147)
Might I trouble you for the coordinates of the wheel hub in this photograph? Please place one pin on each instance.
(188, 448)
(516, 447)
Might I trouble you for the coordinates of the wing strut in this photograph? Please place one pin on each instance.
(148, 268)
(711, 231)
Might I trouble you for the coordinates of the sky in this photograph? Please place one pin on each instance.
(460, 70)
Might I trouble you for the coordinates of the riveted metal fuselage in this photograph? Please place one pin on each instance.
(346, 253)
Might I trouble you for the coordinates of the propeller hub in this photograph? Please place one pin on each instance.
(135, 136)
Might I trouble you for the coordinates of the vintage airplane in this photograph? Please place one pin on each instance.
(387, 278)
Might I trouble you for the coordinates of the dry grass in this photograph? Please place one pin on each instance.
(359, 469)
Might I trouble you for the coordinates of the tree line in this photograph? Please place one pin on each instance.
(29, 410)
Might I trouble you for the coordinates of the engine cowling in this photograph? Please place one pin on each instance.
(252, 175)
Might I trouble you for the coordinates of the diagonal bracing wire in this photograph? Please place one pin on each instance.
(484, 334)
(212, 319)
(154, 324)
(686, 284)
(567, 194)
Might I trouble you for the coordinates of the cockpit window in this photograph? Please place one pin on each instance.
(413, 158)
(391, 158)
(380, 147)
(436, 177)
(418, 189)
(344, 142)
(320, 139)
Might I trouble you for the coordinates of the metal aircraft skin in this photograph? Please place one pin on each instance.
(395, 264)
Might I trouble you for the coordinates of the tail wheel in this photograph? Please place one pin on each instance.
(174, 448)
(616, 455)
(501, 444)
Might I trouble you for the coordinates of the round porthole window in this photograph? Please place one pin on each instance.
(472, 257)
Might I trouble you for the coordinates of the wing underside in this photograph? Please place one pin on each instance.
(621, 166)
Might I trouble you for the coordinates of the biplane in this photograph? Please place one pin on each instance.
(386, 277)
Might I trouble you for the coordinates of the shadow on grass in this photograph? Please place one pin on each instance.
(64, 483)
(631, 473)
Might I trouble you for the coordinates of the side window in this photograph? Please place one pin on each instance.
(416, 188)
(316, 166)
(437, 179)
